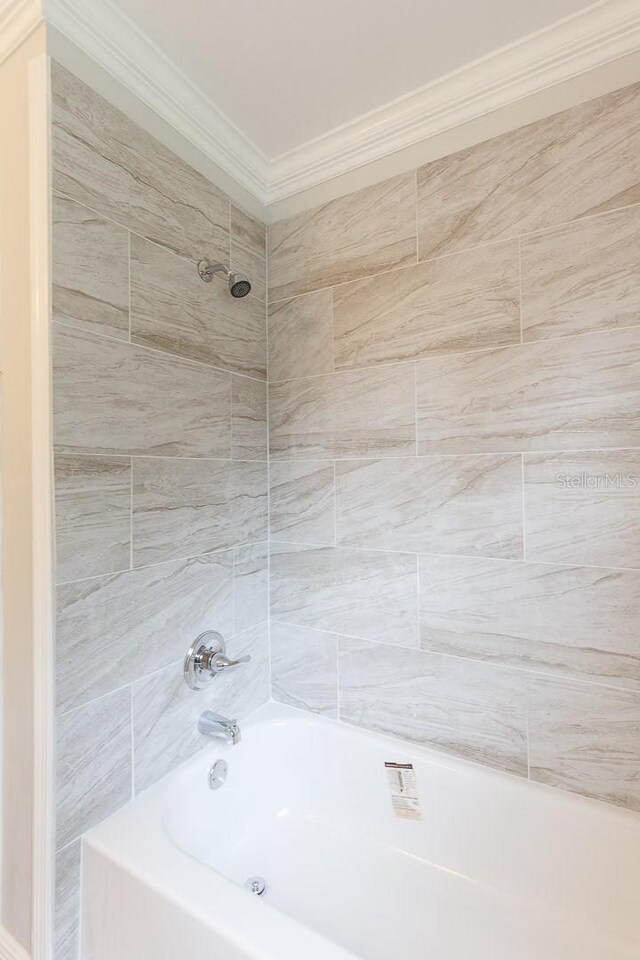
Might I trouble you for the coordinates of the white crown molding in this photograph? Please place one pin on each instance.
(10, 949)
(107, 35)
(18, 18)
(600, 33)
(574, 45)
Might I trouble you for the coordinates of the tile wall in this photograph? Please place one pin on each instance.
(454, 416)
(453, 487)
(160, 463)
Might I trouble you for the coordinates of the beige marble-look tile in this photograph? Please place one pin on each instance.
(301, 336)
(473, 710)
(67, 902)
(248, 419)
(114, 398)
(93, 764)
(105, 160)
(173, 310)
(363, 233)
(462, 302)
(586, 738)
(93, 516)
(362, 413)
(583, 508)
(302, 501)
(582, 277)
(90, 262)
(584, 160)
(166, 711)
(362, 593)
(566, 394)
(185, 508)
(304, 668)
(576, 622)
(468, 505)
(249, 250)
(129, 624)
(250, 586)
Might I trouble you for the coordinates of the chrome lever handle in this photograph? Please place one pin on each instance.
(220, 662)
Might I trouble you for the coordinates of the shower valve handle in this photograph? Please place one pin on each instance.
(206, 659)
(220, 662)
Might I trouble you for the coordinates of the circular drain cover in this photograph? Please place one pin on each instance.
(257, 885)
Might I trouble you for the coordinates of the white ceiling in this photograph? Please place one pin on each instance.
(287, 71)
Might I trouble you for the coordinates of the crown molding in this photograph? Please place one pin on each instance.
(18, 18)
(594, 36)
(107, 35)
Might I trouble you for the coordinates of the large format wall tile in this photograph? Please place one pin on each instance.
(571, 394)
(456, 303)
(173, 310)
(304, 668)
(469, 505)
(474, 710)
(582, 161)
(583, 508)
(302, 508)
(184, 508)
(361, 593)
(93, 516)
(130, 624)
(166, 711)
(363, 233)
(248, 419)
(582, 277)
(103, 159)
(93, 771)
(248, 250)
(301, 336)
(112, 397)
(250, 585)
(364, 413)
(586, 738)
(67, 902)
(90, 270)
(574, 621)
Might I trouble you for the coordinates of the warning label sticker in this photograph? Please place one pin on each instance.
(403, 787)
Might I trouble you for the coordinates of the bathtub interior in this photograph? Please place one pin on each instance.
(494, 868)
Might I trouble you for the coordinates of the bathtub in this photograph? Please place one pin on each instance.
(480, 865)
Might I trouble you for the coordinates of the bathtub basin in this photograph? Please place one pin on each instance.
(496, 868)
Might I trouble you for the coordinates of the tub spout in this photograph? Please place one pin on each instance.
(213, 725)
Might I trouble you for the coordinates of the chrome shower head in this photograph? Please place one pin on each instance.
(239, 285)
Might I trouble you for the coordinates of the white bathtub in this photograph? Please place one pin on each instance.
(496, 869)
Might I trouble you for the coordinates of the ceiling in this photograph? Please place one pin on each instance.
(287, 71)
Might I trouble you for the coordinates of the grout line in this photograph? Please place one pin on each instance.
(131, 513)
(166, 354)
(129, 266)
(540, 231)
(472, 352)
(417, 226)
(335, 505)
(131, 734)
(452, 556)
(521, 672)
(159, 563)
(521, 303)
(524, 512)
